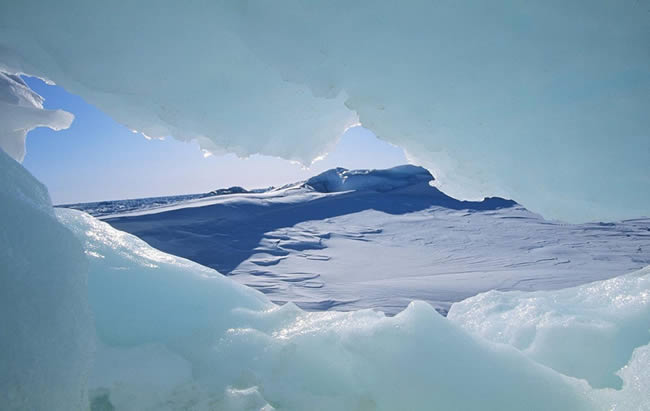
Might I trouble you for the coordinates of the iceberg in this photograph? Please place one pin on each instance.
(545, 102)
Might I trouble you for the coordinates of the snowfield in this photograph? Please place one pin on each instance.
(102, 318)
(380, 239)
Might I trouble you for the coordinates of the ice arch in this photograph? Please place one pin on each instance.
(543, 101)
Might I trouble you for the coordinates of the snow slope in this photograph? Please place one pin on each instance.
(382, 238)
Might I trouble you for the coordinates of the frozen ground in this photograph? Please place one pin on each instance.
(380, 239)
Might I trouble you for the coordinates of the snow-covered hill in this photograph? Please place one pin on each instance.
(383, 238)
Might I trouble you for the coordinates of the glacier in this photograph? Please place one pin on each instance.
(545, 102)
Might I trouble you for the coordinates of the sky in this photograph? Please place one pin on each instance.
(98, 159)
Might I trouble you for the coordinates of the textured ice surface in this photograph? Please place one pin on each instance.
(567, 329)
(543, 101)
(350, 239)
(21, 110)
(176, 335)
(45, 327)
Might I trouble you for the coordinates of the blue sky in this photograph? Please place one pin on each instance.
(98, 159)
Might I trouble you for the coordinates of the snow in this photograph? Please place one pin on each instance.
(341, 179)
(545, 102)
(246, 353)
(170, 334)
(354, 239)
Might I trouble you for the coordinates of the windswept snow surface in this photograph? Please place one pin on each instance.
(545, 101)
(351, 239)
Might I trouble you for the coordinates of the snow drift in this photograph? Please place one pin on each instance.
(341, 179)
(544, 101)
(309, 242)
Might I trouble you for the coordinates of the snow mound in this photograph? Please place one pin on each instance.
(545, 102)
(341, 179)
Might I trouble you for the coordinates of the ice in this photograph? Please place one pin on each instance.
(244, 350)
(21, 110)
(569, 328)
(171, 334)
(341, 179)
(545, 102)
(45, 327)
(246, 353)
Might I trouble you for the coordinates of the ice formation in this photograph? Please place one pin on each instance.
(21, 110)
(341, 179)
(171, 334)
(568, 328)
(545, 102)
(210, 343)
(46, 331)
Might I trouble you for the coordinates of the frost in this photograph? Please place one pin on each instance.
(545, 102)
